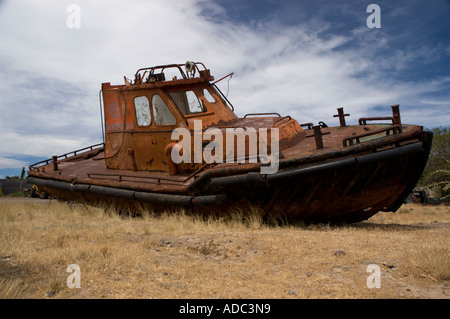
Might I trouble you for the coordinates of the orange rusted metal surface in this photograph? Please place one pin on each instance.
(343, 173)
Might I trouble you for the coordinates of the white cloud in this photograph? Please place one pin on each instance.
(52, 74)
(6, 162)
(436, 102)
(39, 144)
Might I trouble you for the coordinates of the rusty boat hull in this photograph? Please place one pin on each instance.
(341, 185)
(344, 173)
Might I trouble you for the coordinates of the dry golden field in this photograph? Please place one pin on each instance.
(177, 256)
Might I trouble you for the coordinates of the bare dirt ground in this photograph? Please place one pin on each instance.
(177, 256)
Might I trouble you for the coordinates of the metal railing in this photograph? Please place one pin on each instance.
(36, 166)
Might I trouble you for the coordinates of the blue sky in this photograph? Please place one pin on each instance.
(302, 58)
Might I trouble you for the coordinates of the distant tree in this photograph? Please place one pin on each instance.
(16, 176)
(12, 177)
(436, 175)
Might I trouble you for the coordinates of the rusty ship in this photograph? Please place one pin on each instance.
(344, 173)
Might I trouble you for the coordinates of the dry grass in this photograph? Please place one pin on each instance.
(180, 256)
(432, 260)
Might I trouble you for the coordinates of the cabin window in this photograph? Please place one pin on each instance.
(187, 102)
(161, 112)
(142, 109)
(208, 96)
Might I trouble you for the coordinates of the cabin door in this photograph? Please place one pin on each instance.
(155, 120)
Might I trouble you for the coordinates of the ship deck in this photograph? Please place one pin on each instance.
(88, 167)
